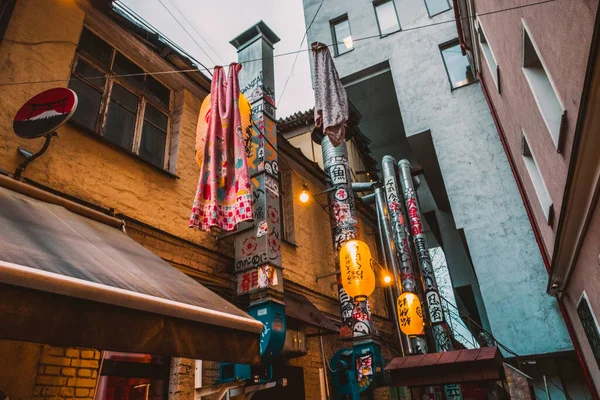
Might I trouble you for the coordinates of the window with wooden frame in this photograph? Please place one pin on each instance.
(119, 101)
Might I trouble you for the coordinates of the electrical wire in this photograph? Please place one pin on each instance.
(275, 55)
(189, 34)
(300, 48)
(174, 3)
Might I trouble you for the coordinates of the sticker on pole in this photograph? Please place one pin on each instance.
(44, 113)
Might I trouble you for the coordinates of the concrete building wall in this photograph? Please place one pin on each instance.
(481, 189)
(565, 60)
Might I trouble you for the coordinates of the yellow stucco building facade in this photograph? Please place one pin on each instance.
(41, 49)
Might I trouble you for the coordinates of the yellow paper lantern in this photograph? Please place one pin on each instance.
(204, 122)
(358, 277)
(410, 314)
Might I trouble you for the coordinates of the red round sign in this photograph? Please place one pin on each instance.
(45, 112)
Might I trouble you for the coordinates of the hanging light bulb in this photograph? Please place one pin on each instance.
(304, 196)
(387, 279)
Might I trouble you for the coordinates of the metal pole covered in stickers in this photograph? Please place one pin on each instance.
(389, 247)
(356, 314)
(258, 247)
(401, 233)
(258, 250)
(441, 334)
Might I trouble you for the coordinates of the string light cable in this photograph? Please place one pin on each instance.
(182, 71)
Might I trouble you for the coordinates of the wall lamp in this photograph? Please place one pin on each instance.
(305, 195)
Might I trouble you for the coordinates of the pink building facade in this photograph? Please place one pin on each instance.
(537, 65)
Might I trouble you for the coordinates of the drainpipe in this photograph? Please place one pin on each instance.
(389, 248)
(356, 313)
(459, 30)
(441, 333)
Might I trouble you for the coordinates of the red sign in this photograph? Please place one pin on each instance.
(45, 112)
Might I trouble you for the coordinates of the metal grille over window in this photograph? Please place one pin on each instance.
(589, 326)
(119, 101)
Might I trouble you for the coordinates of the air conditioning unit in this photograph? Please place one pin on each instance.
(295, 344)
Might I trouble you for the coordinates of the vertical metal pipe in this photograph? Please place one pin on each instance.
(392, 306)
(441, 334)
(356, 314)
(401, 232)
(388, 246)
(430, 288)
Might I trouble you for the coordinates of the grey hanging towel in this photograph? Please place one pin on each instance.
(331, 101)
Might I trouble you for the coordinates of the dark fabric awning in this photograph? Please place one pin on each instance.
(72, 281)
(300, 308)
(457, 366)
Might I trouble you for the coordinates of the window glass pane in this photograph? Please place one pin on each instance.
(386, 16)
(152, 147)
(437, 6)
(156, 117)
(91, 74)
(123, 66)
(343, 38)
(124, 97)
(96, 47)
(120, 120)
(128, 376)
(157, 91)
(88, 104)
(458, 66)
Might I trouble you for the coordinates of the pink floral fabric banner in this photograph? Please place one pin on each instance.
(224, 195)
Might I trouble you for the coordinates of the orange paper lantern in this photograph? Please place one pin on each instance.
(410, 314)
(358, 277)
(204, 123)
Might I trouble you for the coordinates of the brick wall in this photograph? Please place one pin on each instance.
(181, 380)
(518, 385)
(66, 373)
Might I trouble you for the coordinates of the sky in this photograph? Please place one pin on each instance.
(219, 21)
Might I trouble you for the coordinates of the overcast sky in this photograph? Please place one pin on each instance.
(219, 21)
